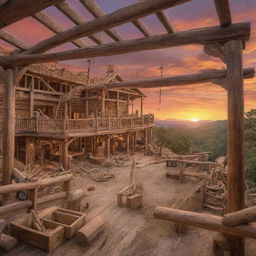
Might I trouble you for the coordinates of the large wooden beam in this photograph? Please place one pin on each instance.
(97, 12)
(15, 10)
(223, 10)
(50, 23)
(235, 145)
(196, 36)
(72, 14)
(14, 40)
(205, 221)
(203, 77)
(115, 18)
(164, 19)
(8, 126)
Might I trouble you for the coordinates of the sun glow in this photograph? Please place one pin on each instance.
(194, 120)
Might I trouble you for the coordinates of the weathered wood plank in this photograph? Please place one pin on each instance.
(196, 36)
(15, 10)
(97, 12)
(115, 18)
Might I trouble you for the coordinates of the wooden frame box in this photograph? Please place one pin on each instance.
(48, 240)
(70, 220)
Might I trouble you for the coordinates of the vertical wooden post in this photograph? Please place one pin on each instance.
(117, 104)
(141, 106)
(32, 97)
(128, 144)
(64, 154)
(103, 104)
(146, 141)
(236, 183)
(86, 104)
(128, 103)
(8, 126)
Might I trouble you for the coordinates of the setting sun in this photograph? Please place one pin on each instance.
(194, 120)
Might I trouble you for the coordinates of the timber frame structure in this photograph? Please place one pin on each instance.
(226, 42)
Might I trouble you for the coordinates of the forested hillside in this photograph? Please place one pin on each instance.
(211, 137)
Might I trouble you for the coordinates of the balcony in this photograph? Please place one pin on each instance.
(80, 127)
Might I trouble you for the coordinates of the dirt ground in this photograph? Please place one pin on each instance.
(134, 232)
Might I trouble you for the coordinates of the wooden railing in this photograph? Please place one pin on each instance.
(80, 125)
(32, 188)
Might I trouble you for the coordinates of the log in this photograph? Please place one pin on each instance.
(195, 36)
(142, 28)
(205, 221)
(121, 16)
(72, 14)
(223, 10)
(235, 140)
(50, 198)
(19, 175)
(87, 233)
(16, 10)
(50, 23)
(163, 18)
(8, 126)
(9, 38)
(14, 207)
(240, 217)
(75, 195)
(7, 242)
(97, 12)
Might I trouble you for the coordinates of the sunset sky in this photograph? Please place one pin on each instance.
(203, 101)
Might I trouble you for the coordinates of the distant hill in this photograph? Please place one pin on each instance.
(206, 135)
(178, 123)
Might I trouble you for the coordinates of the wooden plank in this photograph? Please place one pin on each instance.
(223, 10)
(196, 36)
(72, 14)
(235, 144)
(8, 126)
(9, 38)
(113, 19)
(205, 221)
(164, 19)
(142, 28)
(97, 12)
(15, 10)
(50, 23)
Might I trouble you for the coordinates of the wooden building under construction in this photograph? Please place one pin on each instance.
(57, 118)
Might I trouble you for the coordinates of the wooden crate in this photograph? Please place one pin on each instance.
(134, 201)
(48, 240)
(70, 220)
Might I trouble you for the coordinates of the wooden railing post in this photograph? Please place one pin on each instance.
(33, 196)
(109, 125)
(96, 124)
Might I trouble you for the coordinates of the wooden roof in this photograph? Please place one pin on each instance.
(12, 11)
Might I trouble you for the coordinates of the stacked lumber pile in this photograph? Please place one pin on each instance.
(215, 196)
